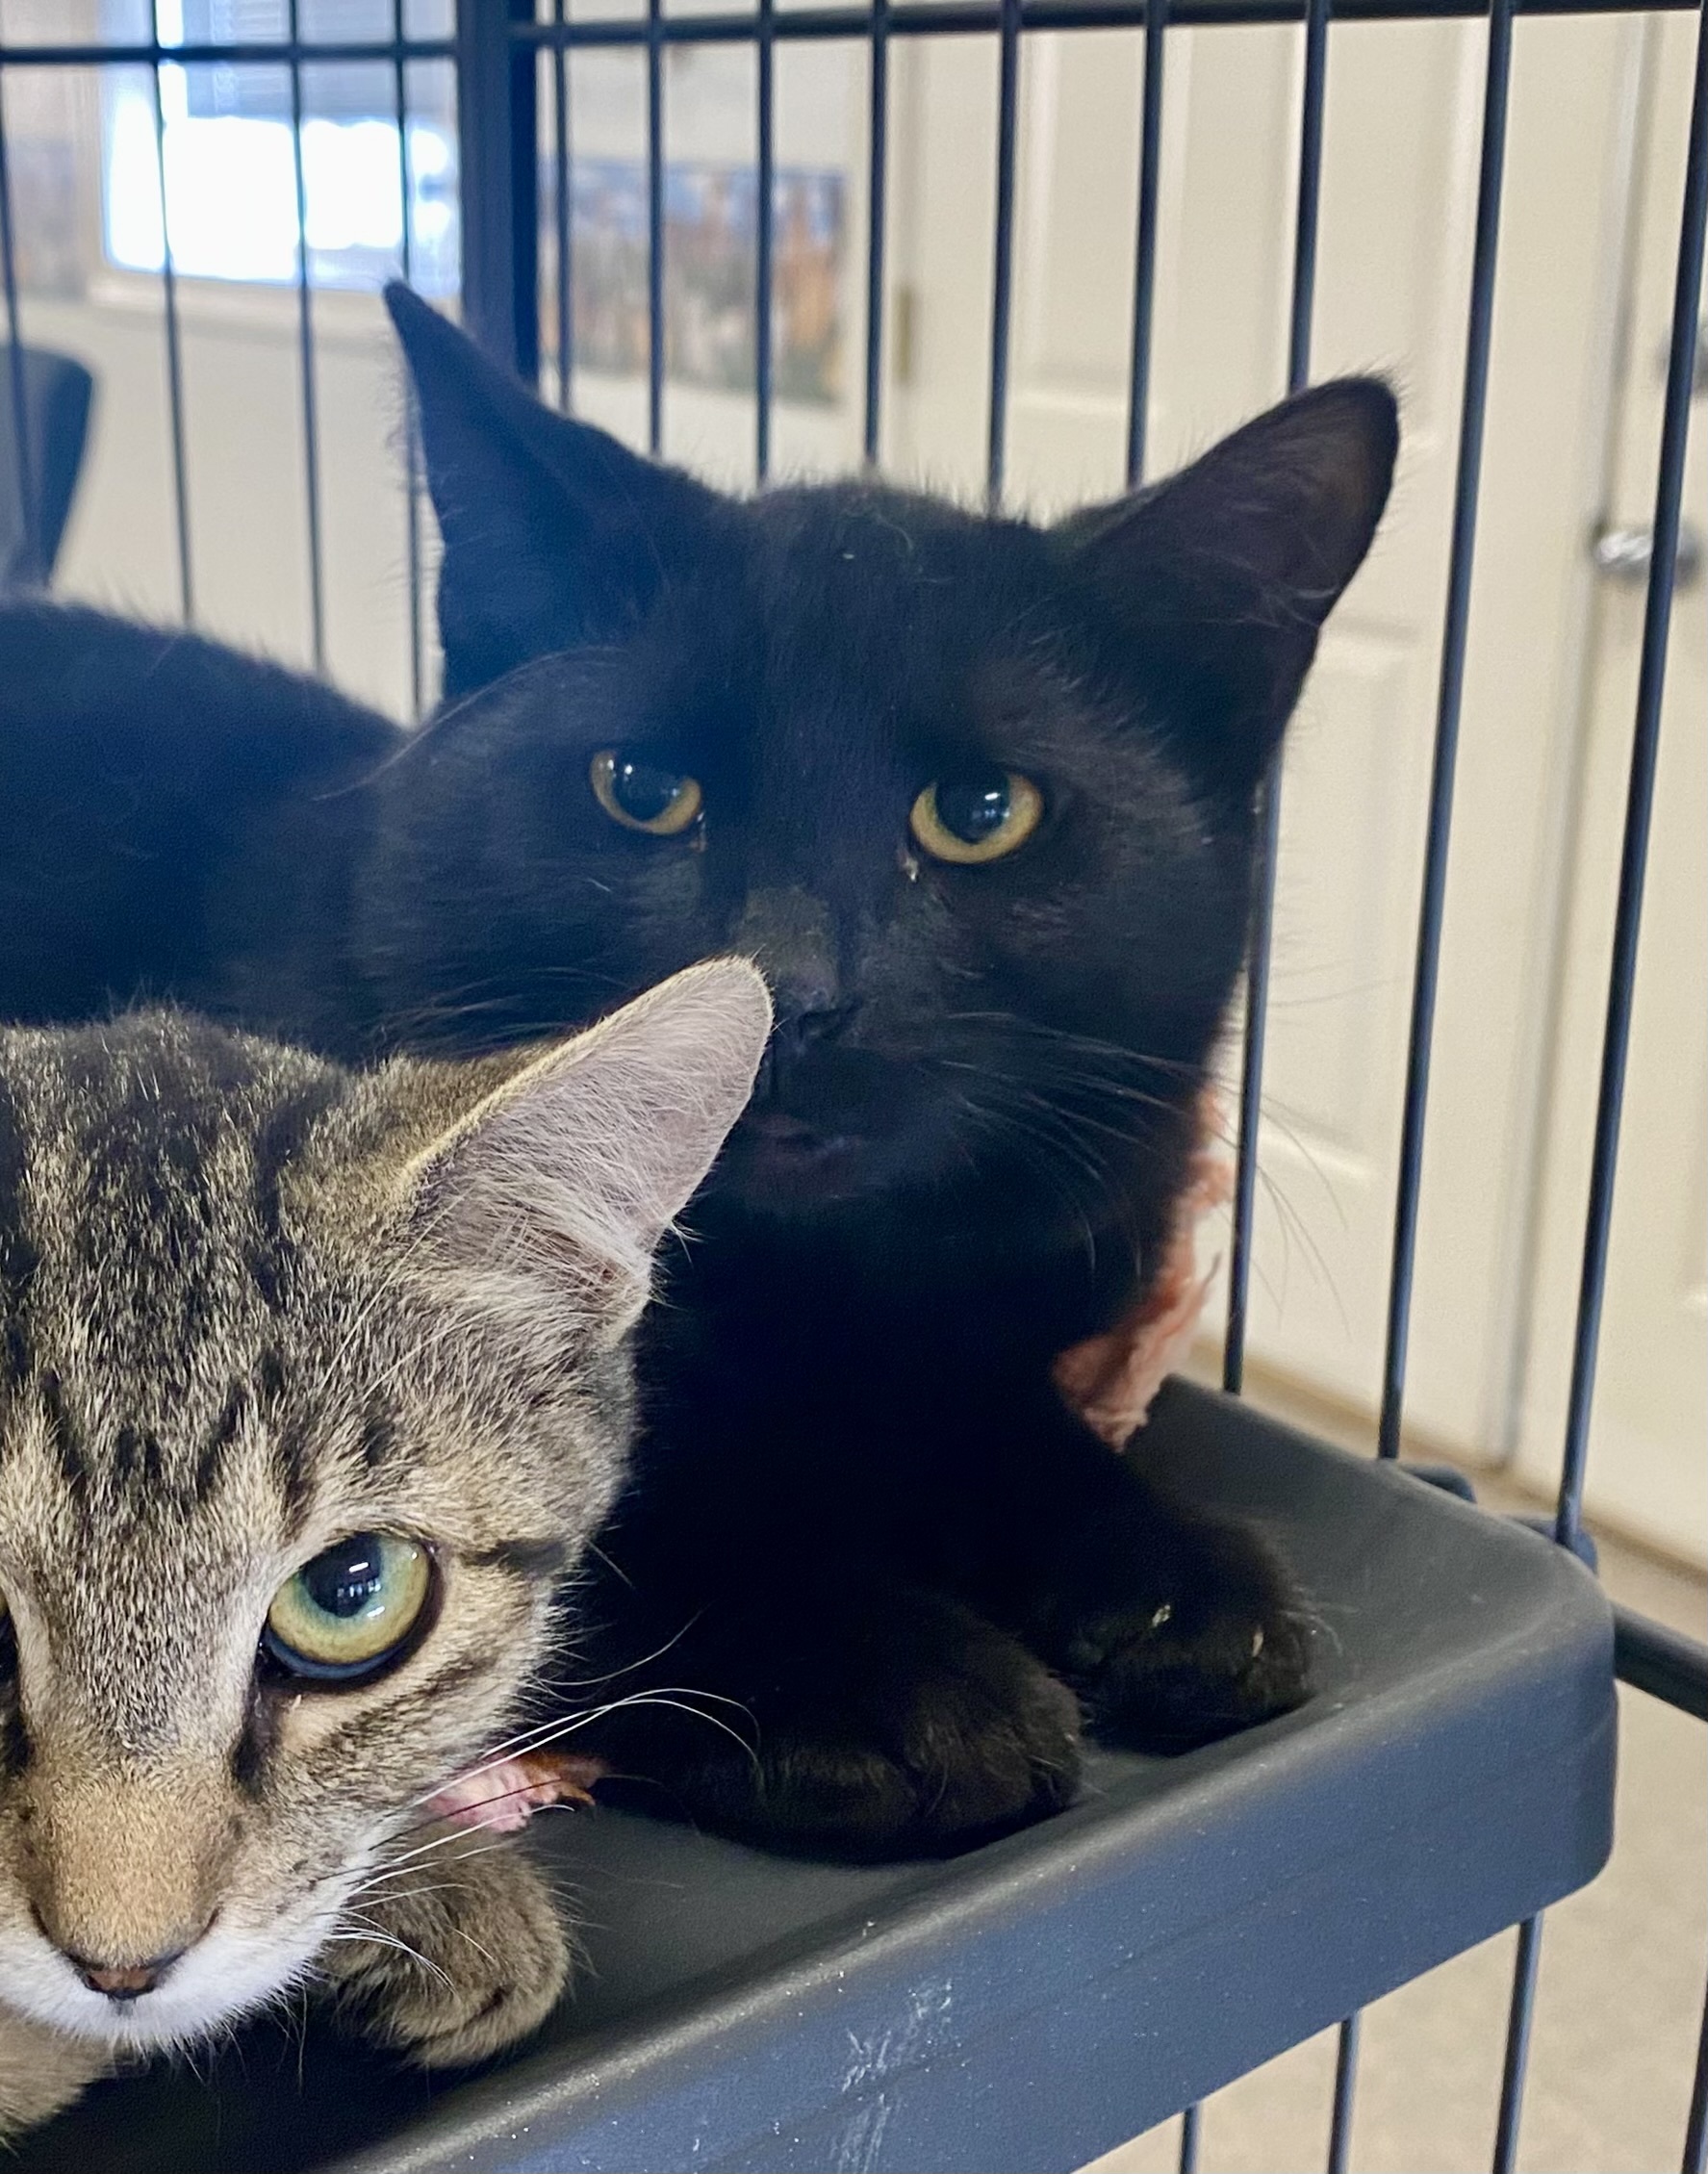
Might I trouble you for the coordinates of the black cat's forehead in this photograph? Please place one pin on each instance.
(887, 565)
(862, 625)
(880, 624)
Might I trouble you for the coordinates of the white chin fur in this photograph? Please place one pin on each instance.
(222, 1977)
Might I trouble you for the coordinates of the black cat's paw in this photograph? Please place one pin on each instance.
(1219, 1640)
(919, 1730)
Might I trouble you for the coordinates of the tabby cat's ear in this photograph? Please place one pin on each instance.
(1224, 573)
(545, 1202)
(554, 533)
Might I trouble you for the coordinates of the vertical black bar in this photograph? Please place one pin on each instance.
(174, 361)
(524, 196)
(305, 337)
(1263, 917)
(1144, 258)
(497, 161)
(1002, 298)
(764, 206)
(1306, 219)
(1518, 2047)
(1339, 2158)
(1651, 678)
(28, 502)
(412, 518)
(1695, 2127)
(1478, 331)
(1190, 2123)
(877, 189)
(560, 96)
(654, 224)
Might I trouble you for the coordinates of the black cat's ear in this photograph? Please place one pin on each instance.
(1222, 576)
(555, 535)
(541, 1199)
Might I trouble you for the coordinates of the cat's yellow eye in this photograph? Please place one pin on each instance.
(352, 1610)
(642, 795)
(980, 815)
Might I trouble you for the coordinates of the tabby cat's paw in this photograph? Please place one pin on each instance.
(41, 2071)
(482, 1962)
(1222, 1643)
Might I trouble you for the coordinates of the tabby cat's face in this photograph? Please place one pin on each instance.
(978, 794)
(313, 1390)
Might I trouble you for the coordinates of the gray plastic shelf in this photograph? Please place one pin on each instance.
(1033, 2004)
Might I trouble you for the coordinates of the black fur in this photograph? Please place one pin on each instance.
(162, 802)
(860, 1512)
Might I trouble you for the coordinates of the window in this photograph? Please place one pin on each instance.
(231, 180)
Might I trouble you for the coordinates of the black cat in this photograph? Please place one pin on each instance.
(979, 796)
(162, 801)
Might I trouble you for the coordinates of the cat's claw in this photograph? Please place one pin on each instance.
(1230, 1647)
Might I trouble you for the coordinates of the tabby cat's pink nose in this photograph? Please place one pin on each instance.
(123, 1981)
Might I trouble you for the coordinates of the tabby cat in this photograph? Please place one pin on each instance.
(979, 795)
(314, 1387)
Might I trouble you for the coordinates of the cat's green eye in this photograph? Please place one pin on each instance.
(643, 795)
(980, 815)
(352, 1610)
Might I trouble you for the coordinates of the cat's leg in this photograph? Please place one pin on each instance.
(41, 2071)
(1174, 1627)
(853, 1714)
(462, 1962)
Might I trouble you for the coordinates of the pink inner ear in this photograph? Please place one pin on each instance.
(501, 1796)
(1110, 1380)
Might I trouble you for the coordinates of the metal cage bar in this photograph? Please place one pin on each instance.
(654, 33)
(851, 19)
(412, 511)
(929, 18)
(1516, 2057)
(1340, 2155)
(169, 278)
(1651, 681)
(14, 352)
(561, 217)
(1306, 221)
(1479, 332)
(764, 215)
(877, 208)
(1651, 1658)
(1695, 2127)
(1002, 287)
(305, 337)
(1144, 244)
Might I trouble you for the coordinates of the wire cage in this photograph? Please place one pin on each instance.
(512, 66)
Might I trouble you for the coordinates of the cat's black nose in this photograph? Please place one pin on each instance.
(122, 1982)
(788, 934)
(795, 1033)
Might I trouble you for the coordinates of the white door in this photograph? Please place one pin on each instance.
(1403, 115)
(1647, 1467)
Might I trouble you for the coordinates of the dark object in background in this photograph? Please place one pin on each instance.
(55, 395)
